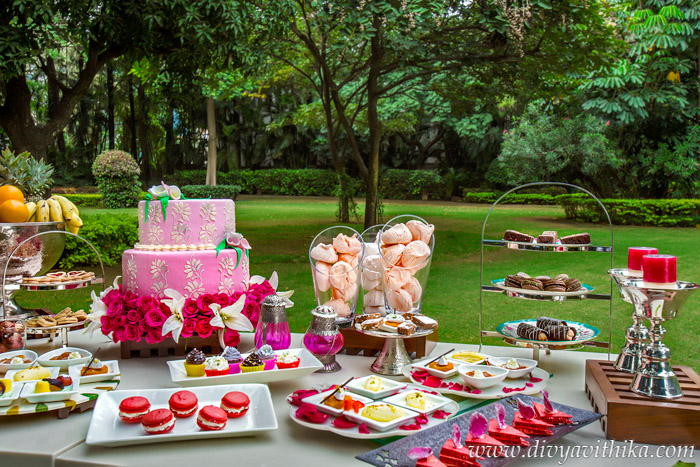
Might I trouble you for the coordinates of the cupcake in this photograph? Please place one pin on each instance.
(287, 360)
(233, 357)
(216, 366)
(194, 363)
(252, 363)
(268, 357)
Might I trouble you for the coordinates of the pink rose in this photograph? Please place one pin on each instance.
(204, 300)
(224, 300)
(154, 336)
(130, 300)
(145, 304)
(112, 296)
(252, 311)
(204, 329)
(188, 328)
(118, 335)
(260, 291)
(235, 297)
(108, 324)
(132, 333)
(165, 310)
(155, 318)
(231, 338)
(133, 316)
(190, 309)
(115, 308)
(122, 321)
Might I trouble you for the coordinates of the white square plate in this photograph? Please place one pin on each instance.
(54, 371)
(389, 387)
(30, 355)
(8, 398)
(28, 393)
(113, 371)
(317, 398)
(45, 359)
(433, 402)
(107, 429)
(307, 365)
(409, 415)
(461, 361)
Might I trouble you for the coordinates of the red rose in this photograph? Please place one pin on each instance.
(231, 338)
(133, 316)
(204, 329)
(118, 335)
(251, 309)
(112, 296)
(155, 318)
(203, 302)
(108, 324)
(260, 291)
(224, 300)
(130, 299)
(190, 309)
(116, 308)
(188, 328)
(165, 309)
(132, 333)
(154, 336)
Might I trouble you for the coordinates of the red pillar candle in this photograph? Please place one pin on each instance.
(634, 256)
(659, 269)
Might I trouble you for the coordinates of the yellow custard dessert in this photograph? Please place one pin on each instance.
(416, 400)
(382, 412)
(467, 356)
(29, 374)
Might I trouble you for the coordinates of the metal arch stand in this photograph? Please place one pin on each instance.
(64, 330)
(536, 348)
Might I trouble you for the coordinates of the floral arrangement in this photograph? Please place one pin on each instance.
(123, 316)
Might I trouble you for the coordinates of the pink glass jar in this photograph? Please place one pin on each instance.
(273, 327)
(323, 339)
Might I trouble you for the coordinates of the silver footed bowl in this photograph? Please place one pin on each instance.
(35, 257)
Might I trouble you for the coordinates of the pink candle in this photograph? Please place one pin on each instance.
(659, 269)
(634, 256)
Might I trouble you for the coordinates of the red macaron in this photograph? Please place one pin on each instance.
(235, 404)
(183, 404)
(211, 418)
(132, 409)
(158, 421)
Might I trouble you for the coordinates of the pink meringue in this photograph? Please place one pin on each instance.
(420, 231)
(371, 267)
(414, 289)
(352, 260)
(368, 283)
(321, 273)
(395, 278)
(392, 254)
(340, 307)
(415, 254)
(325, 253)
(342, 275)
(373, 298)
(399, 300)
(347, 295)
(397, 234)
(344, 244)
(371, 249)
(374, 309)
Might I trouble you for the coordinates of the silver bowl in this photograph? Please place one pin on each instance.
(33, 258)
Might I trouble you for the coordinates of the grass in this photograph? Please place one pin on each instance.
(280, 230)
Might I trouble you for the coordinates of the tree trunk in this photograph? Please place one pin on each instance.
(143, 136)
(132, 120)
(110, 105)
(170, 148)
(211, 149)
(375, 127)
(53, 99)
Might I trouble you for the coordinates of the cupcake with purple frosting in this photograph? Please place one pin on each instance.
(267, 355)
(234, 359)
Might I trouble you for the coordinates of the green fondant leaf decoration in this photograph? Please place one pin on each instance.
(164, 204)
(239, 253)
(220, 246)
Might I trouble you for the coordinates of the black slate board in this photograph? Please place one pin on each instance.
(395, 454)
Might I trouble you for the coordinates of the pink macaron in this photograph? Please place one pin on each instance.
(158, 421)
(132, 409)
(183, 404)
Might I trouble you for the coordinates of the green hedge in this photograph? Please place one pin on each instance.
(410, 184)
(110, 235)
(214, 192)
(513, 198)
(658, 212)
(85, 200)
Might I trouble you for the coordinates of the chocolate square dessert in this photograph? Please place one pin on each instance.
(548, 237)
(515, 236)
(576, 239)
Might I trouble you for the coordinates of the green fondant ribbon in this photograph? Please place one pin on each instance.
(163, 202)
(239, 251)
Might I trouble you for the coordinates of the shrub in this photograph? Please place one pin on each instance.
(117, 176)
(85, 200)
(215, 192)
(110, 235)
(410, 184)
(513, 198)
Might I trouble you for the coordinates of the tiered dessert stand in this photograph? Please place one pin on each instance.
(586, 293)
(393, 356)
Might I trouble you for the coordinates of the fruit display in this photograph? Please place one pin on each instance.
(55, 209)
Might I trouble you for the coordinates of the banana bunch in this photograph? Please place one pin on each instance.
(56, 209)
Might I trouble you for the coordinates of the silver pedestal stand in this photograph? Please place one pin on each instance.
(393, 356)
(658, 303)
(637, 335)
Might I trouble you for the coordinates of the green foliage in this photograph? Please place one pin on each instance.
(91, 200)
(117, 176)
(513, 198)
(544, 147)
(110, 235)
(31, 176)
(657, 212)
(410, 184)
(214, 192)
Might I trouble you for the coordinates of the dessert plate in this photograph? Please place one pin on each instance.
(107, 429)
(307, 365)
(584, 332)
(30, 396)
(387, 388)
(45, 359)
(53, 371)
(500, 283)
(30, 355)
(112, 372)
(433, 401)
(456, 385)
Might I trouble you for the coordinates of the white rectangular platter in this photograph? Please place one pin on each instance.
(107, 429)
(307, 365)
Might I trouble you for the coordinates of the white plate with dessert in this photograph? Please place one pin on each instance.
(374, 387)
(307, 364)
(51, 390)
(108, 429)
(65, 357)
(33, 373)
(418, 401)
(11, 394)
(100, 371)
(21, 358)
(395, 325)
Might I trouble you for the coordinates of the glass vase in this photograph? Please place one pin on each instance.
(371, 284)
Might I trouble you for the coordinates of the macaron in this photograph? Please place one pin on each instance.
(132, 409)
(211, 418)
(183, 404)
(158, 421)
(235, 404)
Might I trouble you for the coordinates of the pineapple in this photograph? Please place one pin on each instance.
(31, 176)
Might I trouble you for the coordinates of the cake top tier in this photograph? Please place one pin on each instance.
(190, 222)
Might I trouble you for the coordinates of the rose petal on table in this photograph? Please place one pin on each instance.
(422, 419)
(411, 427)
(363, 429)
(507, 389)
(441, 414)
(528, 385)
(432, 381)
(420, 372)
(534, 379)
(308, 413)
(298, 396)
(428, 392)
(342, 422)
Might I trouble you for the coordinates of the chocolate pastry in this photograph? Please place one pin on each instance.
(365, 317)
(513, 281)
(532, 284)
(371, 324)
(515, 236)
(195, 357)
(572, 285)
(555, 286)
(561, 277)
(530, 332)
(576, 239)
(560, 333)
(406, 328)
(544, 322)
(548, 236)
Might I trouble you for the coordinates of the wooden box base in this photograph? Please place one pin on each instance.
(629, 416)
(142, 349)
(370, 346)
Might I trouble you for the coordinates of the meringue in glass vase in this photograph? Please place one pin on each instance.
(371, 285)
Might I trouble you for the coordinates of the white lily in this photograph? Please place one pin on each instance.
(158, 190)
(231, 316)
(98, 308)
(274, 282)
(175, 321)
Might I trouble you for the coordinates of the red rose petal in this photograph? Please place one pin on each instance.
(422, 419)
(357, 405)
(342, 422)
(528, 385)
(363, 429)
(535, 380)
(441, 414)
(308, 413)
(411, 427)
(432, 382)
(298, 396)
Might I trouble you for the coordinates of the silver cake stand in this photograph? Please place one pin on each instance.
(637, 335)
(658, 303)
(393, 356)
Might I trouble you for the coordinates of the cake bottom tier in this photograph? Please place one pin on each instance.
(192, 273)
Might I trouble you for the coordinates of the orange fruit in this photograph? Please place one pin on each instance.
(13, 211)
(10, 192)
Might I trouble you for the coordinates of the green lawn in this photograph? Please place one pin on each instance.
(280, 230)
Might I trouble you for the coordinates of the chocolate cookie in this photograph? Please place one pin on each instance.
(555, 286)
(513, 281)
(531, 284)
(576, 239)
(561, 277)
(572, 285)
(515, 236)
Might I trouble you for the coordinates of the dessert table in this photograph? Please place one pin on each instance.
(44, 440)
